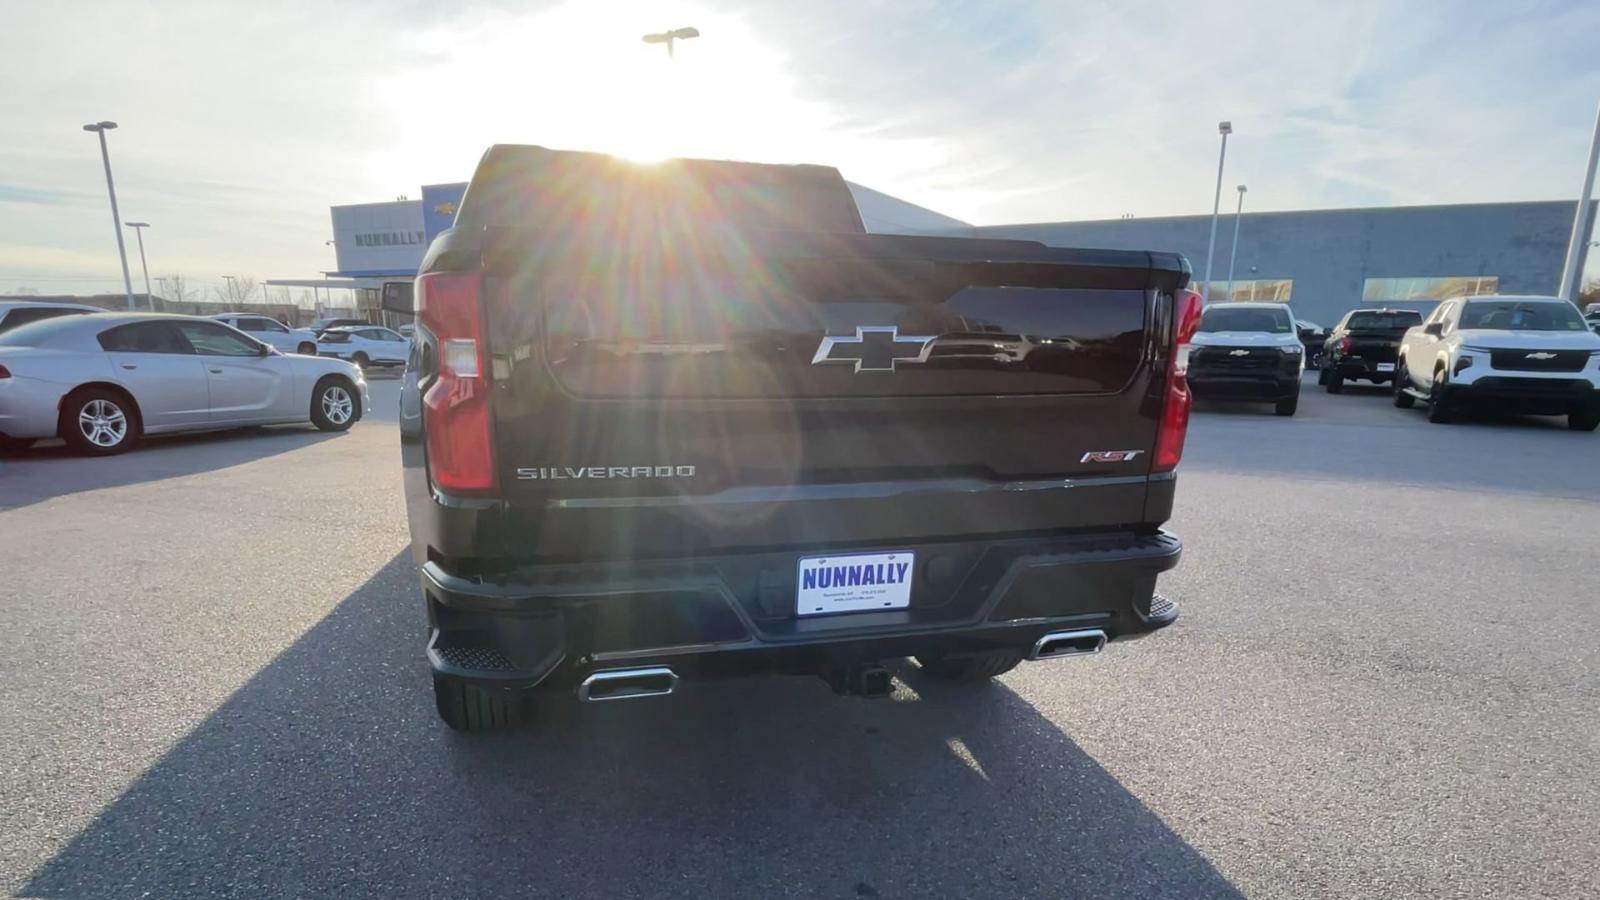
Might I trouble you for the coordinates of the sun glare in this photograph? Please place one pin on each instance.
(580, 77)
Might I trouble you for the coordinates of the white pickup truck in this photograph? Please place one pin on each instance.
(1531, 354)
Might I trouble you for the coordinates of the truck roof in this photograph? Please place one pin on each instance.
(533, 186)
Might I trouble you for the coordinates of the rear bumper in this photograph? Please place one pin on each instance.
(1358, 367)
(552, 626)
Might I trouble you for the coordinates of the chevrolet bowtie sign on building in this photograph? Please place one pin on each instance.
(379, 240)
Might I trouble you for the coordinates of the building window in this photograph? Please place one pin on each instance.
(1265, 290)
(1380, 290)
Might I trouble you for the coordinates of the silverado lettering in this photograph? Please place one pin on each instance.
(568, 472)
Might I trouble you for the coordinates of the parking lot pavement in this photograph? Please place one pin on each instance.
(1384, 684)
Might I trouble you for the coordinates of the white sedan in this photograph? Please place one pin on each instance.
(271, 331)
(365, 345)
(99, 382)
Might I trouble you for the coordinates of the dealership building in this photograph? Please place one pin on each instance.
(1321, 262)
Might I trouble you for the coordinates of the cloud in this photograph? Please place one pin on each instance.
(241, 123)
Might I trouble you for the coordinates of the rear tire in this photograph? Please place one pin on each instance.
(1402, 380)
(473, 710)
(99, 422)
(307, 349)
(972, 666)
(1287, 406)
(1584, 421)
(361, 360)
(1335, 383)
(334, 404)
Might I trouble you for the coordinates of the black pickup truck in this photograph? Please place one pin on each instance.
(691, 420)
(1364, 345)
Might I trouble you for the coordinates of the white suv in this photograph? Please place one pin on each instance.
(1534, 354)
(271, 331)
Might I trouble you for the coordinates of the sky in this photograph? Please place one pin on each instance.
(241, 123)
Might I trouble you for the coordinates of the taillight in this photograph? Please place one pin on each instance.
(455, 405)
(1344, 345)
(1175, 411)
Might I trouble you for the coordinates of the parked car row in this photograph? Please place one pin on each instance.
(1533, 355)
(102, 380)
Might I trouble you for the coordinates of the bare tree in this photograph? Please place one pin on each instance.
(176, 288)
(235, 291)
(26, 292)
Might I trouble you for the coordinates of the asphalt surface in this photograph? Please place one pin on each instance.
(1384, 683)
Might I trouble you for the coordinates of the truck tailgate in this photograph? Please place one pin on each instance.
(904, 385)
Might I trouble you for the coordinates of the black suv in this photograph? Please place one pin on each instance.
(691, 420)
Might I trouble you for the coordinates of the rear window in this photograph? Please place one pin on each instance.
(1515, 315)
(1379, 320)
(940, 330)
(35, 333)
(1256, 319)
(27, 315)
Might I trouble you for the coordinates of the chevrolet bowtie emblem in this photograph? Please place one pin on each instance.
(446, 208)
(1239, 353)
(1540, 355)
(875, 348)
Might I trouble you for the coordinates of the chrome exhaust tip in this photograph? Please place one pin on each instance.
(621, 684)
(1057, 644)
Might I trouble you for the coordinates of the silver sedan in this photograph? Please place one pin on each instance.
(101, 381)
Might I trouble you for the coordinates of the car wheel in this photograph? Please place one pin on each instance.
(1288, 405)
(1438, 409)
(333, 405)
(360, 359)
(1322, 377)
(1335, 383)
(1402, 380)
(469, 708)
(307, 349)
(971, 666)
(1584, 421)
(99, 422)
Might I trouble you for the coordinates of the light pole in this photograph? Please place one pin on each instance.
(1224, 128)
(138, 232)
(1233, 252)
(101, 128)
(233, 299)
(1580, 223)
(671, 37)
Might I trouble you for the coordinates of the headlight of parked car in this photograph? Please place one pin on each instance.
(1291, 350)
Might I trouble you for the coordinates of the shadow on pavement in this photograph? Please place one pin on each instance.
(328, 773)
(53, 470)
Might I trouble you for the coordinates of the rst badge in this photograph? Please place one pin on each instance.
(1109, 456)
(875, 348)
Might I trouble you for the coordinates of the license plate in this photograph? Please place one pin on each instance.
(1385, 367)
(854, 583)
